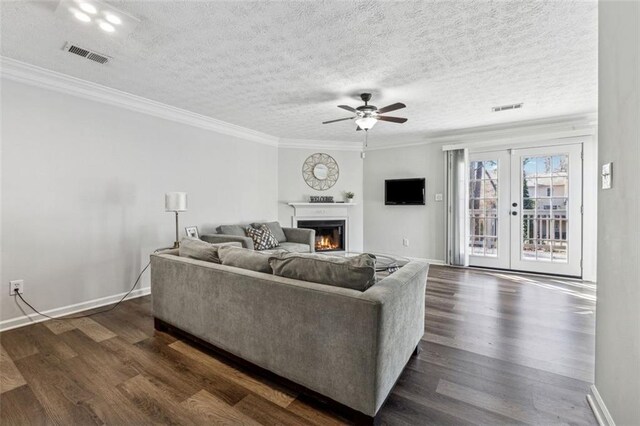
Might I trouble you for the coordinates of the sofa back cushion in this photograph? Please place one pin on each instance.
(262, 237)
(232, 230)
(201, 250)
(356, 272)
(275, 229)
(245, 258)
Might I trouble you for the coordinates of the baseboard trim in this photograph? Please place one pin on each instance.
(429, 261)
(603, 416)
(34, 318)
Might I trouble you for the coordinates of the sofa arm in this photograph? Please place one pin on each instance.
(301, 236)
(221, 238)
(401, 297)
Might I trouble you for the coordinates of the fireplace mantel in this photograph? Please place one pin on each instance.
(320, 209)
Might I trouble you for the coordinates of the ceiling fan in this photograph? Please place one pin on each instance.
(368, 115)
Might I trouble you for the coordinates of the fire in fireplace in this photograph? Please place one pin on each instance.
(329, 233)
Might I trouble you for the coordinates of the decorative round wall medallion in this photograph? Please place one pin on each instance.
(320, 171)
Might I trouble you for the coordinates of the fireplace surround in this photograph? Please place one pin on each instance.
(308, 215)
(330, 233)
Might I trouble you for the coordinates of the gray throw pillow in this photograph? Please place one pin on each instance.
(245, 258)
(201, 250)
(275, 229)
(232, 230)
(356, 272)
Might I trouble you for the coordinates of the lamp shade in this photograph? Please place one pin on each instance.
(175, 201)
(365, 123)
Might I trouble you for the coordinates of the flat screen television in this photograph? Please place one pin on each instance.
(404, 192)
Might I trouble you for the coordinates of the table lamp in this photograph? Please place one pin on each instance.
(175, 202)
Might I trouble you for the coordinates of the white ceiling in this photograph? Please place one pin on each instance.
(282, 67)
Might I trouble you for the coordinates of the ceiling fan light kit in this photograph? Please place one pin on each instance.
(366, 123)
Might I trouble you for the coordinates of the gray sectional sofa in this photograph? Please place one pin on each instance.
(293, 240)
(345, 345)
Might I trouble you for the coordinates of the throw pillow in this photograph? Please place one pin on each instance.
(245, 259)
(262, 237)
(275, 229)
(231, 230)
(356, 272)
(201, 250)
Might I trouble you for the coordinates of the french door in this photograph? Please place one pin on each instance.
(525, 209)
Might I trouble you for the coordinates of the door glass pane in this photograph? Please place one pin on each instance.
(483, 207)
(545, 192)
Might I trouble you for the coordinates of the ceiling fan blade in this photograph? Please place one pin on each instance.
(347, 107)
(339, 119)
(392, 119)
(358, 128)
(390, 108)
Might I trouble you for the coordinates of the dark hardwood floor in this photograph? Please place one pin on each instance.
(499, 348)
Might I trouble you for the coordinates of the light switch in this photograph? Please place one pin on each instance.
(607, 170)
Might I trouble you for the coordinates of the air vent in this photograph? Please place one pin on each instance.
(506, 107)
(78, 51)
(98, 58)
(86, 53)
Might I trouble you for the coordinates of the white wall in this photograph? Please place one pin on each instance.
(386, 226)
(618, 307)
(292, 187)
(83, 188)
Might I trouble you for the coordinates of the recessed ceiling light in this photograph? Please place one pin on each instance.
(113, 19)
(89, 8)
(107, 18)
(107, 27)
(82, 16)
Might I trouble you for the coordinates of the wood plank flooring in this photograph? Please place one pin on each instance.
(499, 348)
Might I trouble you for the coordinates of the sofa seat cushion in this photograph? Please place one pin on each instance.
(356, 272)
(262, 237)
(294, 247)
(201, 250)
(232, 230)
(275, 229)
(245, 259)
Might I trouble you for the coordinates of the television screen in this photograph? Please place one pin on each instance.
(404, 191)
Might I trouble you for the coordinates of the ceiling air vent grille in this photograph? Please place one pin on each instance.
(78, 51)
(98, 58)
(506, 107)
(86, 53)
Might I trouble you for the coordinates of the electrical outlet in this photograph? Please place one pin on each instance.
(438, 197)
(405, 242)
(16, 286)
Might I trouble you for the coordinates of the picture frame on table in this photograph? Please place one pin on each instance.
(192, 231)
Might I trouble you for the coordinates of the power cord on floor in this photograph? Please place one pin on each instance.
(91, 314)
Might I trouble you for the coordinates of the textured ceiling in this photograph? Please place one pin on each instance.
(282, 67)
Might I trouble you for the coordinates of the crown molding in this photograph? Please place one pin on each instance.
(41, 77)
(407, 144)
(320, 144)
(514, 132)
(555, 127)
(522, 131)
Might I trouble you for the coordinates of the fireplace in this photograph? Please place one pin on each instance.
(329, 233)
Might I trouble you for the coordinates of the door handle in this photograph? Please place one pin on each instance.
(514, 213)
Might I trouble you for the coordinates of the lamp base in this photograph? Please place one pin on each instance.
(176, 244)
